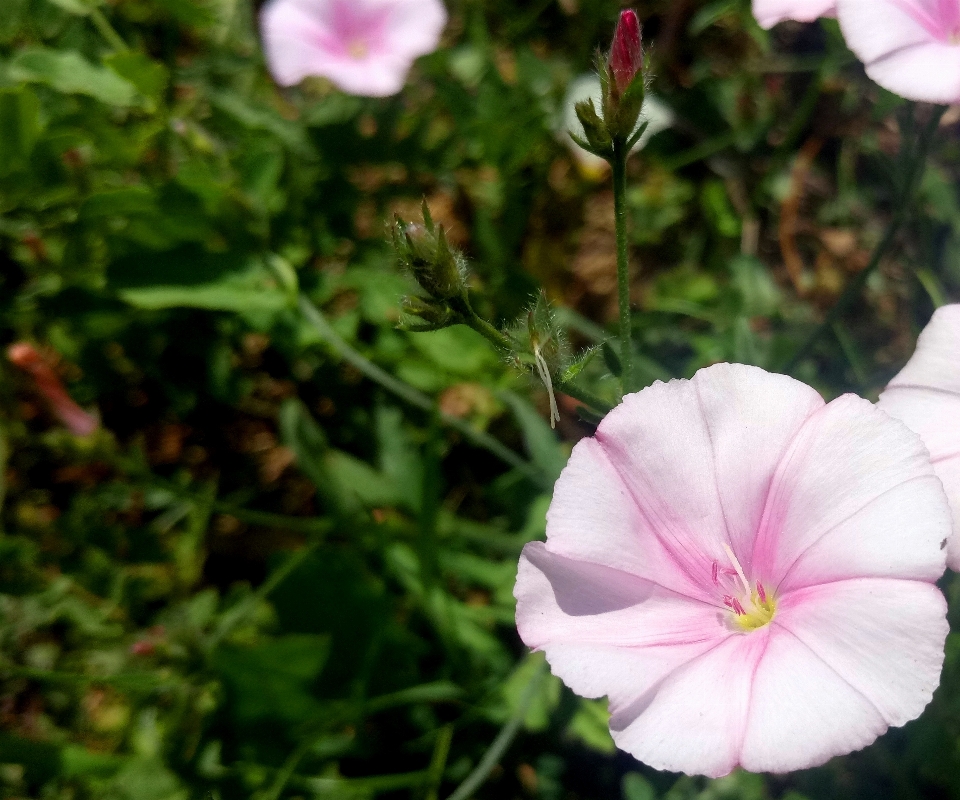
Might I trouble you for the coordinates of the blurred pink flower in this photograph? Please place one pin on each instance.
(770, 12)
(48, 383)
(926, 396)
(366, 47)
(911, 47)
(745, 571)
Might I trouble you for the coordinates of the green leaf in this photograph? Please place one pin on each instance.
(636, 787)
(19, 128)
(191, 278)
(591, 725)
(149, 76)
(70, 73)
(80, 7)
(271, 680)
(544, 448)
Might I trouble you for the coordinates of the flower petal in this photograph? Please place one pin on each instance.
(801, 711)
(697, 456)
(560, 599)
(693, 720)
(607, 632)
(847, 457)
(592, 517)
(884, 637)
(899, 52)
(925, 396)
(770, 12)
(414, 27)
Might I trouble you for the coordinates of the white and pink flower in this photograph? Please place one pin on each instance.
(911, 47)
(926, 397)
(365, 47)
(745, 571)
(770, 12)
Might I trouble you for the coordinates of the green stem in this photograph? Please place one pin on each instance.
(589, 399)
(915, 164)
(502, 743)
(619, 164)
(415, 397)
(107, 31)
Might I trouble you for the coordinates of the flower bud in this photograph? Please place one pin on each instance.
(623, 79)
(425, 252)
(626, 56)
(434, 315)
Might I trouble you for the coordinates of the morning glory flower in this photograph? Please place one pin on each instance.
(745, 571)
(911, 47)
(770, 12)
(926, 396)
(365, 47)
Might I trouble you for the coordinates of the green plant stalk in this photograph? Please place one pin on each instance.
(107, 31)
(415, 397)
(916, 163)
(619, 164)
(502, 743)
(503, 344)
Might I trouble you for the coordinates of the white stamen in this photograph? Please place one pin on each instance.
(738, 568)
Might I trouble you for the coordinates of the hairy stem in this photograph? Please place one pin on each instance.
(619, 164)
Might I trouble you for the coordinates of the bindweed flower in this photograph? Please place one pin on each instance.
(770, 12)
(745, 571)
(365, 47)
(926, 397)
(48, 384)
(911, 47)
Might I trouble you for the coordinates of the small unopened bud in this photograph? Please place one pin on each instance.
(434, 314)
(425, 252)
(623, 79)
(626, 54)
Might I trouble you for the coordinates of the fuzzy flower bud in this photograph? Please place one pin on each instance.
(626, 56)
(622, 78)
(425, 252)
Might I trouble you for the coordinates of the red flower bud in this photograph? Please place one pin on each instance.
(626, 55)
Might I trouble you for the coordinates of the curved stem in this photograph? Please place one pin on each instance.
(915, 164)
(502, 743)
(619, 164)
(417, 398)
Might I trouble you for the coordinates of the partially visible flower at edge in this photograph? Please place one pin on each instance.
(658, 115)
(48, 383)
(746, 572)
(910, 47)
(365, 47)
(769, 12)
(925, 395)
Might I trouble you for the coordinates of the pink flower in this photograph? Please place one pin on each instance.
(366, 47)
(745, 571)
(770, 12)
(926, 396)
(48, 383)
(626, 54)
(911, 47)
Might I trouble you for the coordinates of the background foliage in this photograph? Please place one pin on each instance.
(276, 572)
